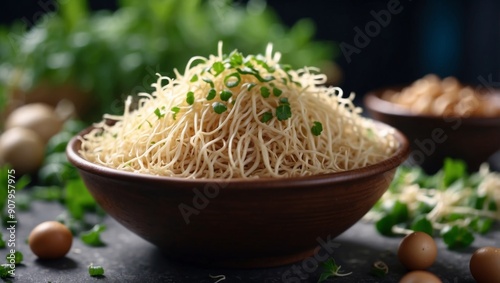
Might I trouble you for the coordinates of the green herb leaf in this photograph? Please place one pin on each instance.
(284, 100)
(2, 242)
(264, 91)
(78, 199)
(317, 128)
(211, 94)
(266, 117)
(457, 237)
(225, 95)
(283, 112)
(255, 73)
(93, 236)
(481, 225)
(209, 81)
(6, 271)
(330, 269)
(453, 170)
(384, 225)
(232, 80)
(96, 270)
(159, 114)
(277, 92)
(190, 98)
(17, 256)
(236, 59)
(218, 68)
(250, 86)
(175, 110)
(219, 108)
(194, 79)
(422, 224)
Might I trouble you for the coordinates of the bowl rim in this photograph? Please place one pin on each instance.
(397, 158)
(374, 102)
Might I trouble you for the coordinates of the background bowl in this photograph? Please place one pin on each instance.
(433, 138)
(238, 222)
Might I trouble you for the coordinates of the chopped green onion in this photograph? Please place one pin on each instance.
(190, 98)
(194, 78)
(159, 114)
(317, 128)
(284, 100)
(255, 73)
(211, 94)
(218, 67)
(264, 91)
(236, 59)
(277, 92)
(250, 86)
(175, 110)
(225, 95)
(219, 108)
(283, 112)
(209, 81)
(266, 117)
(96, 270)
(230, 82)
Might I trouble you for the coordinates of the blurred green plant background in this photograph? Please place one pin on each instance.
(97, 58)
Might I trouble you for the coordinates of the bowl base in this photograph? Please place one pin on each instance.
(245, 263)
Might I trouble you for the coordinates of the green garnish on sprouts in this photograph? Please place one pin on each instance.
(175, 110)
(211, 94)
(190, 98)
(331, 269)
(95, 270)
(232, 80)
(218, 68)
(225, 95)
(219, 108)
(283, 111)
(159, 114)
(264, 91)
(194, 79)
(209, 81)
(266, 117)
(317, 128)
(277, 92)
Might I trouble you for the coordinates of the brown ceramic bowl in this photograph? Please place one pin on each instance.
(434, 138)
(238, 222)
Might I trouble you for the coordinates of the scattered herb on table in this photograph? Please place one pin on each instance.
(451, 203)
(379, 269)
(331, 269)
(93, 236)
(6, 271)
(17, 256)
(96, 270)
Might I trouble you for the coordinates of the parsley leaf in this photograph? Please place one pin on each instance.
(266, 117)
(190, 98)
(93, 236)
(283, 112)
(317, 128)
(219, 108)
